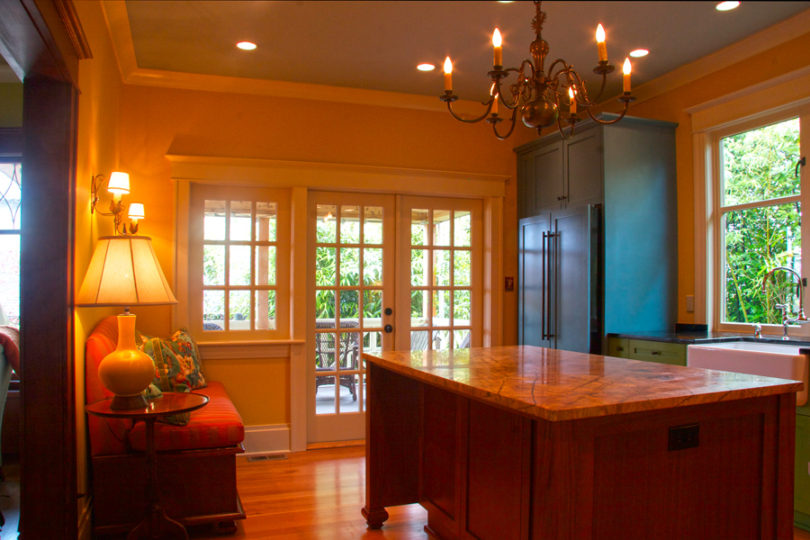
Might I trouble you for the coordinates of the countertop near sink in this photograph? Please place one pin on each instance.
(689, 337)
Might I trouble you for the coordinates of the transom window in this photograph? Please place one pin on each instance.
(760, 203)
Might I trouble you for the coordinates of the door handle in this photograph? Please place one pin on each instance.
(544, 276)
(388, 328)
(388, 311)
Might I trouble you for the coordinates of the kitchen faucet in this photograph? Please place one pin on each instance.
(801, 318)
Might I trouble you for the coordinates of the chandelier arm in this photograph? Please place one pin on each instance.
(626, 99)
(512, 122)
(471, 120)
(602, 87)
(497, 82)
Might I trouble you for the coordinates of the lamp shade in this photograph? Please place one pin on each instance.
(119, 183)
(124, 271)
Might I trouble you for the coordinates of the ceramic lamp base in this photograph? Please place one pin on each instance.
(126, 372)
(128, 403)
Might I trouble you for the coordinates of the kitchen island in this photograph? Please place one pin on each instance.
(527, 442)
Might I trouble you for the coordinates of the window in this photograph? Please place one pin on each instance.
(236, 259)
(759, 202)
(10, 201)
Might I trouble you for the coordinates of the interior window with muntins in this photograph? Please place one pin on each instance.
(239, 265)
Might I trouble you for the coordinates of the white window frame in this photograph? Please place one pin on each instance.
(718, 211)
(281, 197)
(760, 104)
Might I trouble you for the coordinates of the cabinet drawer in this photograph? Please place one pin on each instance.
(801, 499)
(657, 351)
(617, 346)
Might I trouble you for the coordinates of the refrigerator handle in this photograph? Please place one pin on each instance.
(543, 265)
(551, 276)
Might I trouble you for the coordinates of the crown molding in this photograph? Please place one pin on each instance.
(115, 13)
(736, 52)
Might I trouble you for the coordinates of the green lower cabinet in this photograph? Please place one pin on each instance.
(617, 346)
(801, 493)
(657, 351)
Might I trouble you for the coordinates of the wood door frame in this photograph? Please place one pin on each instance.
(43, 42)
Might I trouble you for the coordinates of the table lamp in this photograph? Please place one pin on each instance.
(124, 271)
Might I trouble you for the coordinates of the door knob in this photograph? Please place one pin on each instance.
(388, 311)
(388, 328)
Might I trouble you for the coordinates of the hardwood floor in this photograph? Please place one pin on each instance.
(315, 494)
(318, 495)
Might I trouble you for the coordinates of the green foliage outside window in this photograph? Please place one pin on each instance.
(759, 165)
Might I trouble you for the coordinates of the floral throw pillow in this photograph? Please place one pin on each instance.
(168, 375)
(188, 355)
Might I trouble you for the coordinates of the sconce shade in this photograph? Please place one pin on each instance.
(124, 271)
(136, 211)
(119, 183)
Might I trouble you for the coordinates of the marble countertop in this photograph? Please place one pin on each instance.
(561, 385)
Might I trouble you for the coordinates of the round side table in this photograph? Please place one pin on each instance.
(156, 523)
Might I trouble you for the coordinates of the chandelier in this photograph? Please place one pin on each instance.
(542, 98)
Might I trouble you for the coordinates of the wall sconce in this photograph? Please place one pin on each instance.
(118, 185)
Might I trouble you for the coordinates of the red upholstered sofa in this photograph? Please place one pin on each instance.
(196, 462)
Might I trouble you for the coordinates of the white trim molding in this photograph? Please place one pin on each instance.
(267, 440)
(350, 177)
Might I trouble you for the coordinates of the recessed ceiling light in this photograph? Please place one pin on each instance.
(246, 45)
(425, 67)
(638, 53)
(726, 6)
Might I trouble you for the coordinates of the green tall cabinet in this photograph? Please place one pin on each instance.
(597, 234)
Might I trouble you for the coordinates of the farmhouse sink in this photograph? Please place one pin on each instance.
(781, 360)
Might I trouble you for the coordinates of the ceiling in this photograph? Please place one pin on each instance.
(377, 45)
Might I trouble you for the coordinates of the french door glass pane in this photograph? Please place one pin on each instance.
(349, 224)
(372, 225)
(419, 308)
(419, 267)
(214, 220)
(325, 305)
(326, 223)
(755, 241)
(441, 227)
(461, 267)
(372, 266)
(372, 308)
(325, 266)
(240, 220)
(441, 267)
(349, 266)
(349, 307)
(759, 164)
(419, 227)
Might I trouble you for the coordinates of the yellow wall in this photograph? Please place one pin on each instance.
(156, 121)
(10, 104)
(96, 152)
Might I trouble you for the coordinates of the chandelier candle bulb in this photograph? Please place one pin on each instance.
(495, 105)
(497, 43)
(448, 75)
(626, 76)
(572, 101)
(600, 43)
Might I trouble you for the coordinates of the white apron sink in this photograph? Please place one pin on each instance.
(781, 360)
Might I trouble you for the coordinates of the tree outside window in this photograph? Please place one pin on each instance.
(760, 221)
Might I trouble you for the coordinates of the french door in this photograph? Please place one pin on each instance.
(386, 272)
(351, 238)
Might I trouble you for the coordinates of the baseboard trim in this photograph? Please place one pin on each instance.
(265, 440)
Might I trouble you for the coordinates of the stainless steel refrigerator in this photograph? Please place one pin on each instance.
(561, 283)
